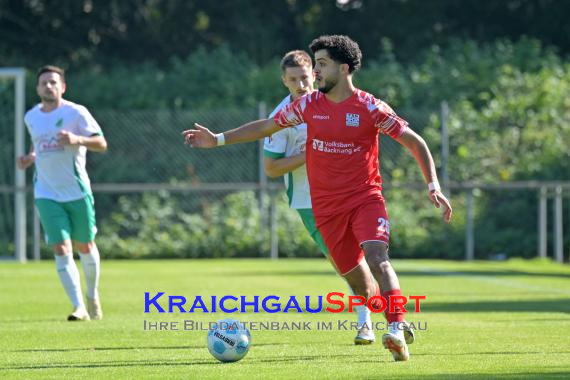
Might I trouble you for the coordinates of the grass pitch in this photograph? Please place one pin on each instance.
(484, 320)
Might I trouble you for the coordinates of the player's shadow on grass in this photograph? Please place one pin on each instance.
(110, 348)
(312, 272)
(562, 374)
(510, 321)
(149, 363)
(502, 273)
(199, 347)
(491, 353)
(544, 306)
(299, 358)
(410, 273)
(131, 363)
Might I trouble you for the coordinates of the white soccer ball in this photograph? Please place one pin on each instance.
(229, 341)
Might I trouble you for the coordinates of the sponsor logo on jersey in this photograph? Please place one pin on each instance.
(352, 120)
(321, 117)
(318, 145)
(335, 147)
(48, 145)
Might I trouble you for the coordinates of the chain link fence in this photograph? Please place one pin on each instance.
(158, 198)
(151, 177)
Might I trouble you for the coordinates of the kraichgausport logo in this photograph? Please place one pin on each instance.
(335, 303)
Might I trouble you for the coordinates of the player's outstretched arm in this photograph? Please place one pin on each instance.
(418, 147)
(202, 137)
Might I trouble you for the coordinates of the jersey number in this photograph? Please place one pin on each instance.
(383, 226)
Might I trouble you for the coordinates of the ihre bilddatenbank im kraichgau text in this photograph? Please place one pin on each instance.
(156, 303)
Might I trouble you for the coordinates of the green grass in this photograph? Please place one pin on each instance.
(484, 320)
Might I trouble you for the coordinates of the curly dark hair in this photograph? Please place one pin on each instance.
(340, 48)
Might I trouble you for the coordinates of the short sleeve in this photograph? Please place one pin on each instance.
(275, 145)
(292, 114)
(27, 123)
(386, 120)
(87, 125)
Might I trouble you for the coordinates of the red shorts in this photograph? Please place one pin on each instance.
(345, 232)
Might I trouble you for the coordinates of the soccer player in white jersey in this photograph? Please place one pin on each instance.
(61, 133)
(284, 153)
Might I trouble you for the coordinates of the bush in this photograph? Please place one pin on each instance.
(509, 120)
(158, 226)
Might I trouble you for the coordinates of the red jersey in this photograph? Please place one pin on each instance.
(342, 146)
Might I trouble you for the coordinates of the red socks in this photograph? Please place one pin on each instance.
(395, 310)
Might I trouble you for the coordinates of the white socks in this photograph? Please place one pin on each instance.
(69, 277)
(363, 316)
(393, 328)
(362, 312)
(91, 268)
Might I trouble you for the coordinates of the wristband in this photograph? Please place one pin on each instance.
(433, 186)
(221, 139)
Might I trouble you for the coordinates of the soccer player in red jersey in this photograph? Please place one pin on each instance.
(343, 124)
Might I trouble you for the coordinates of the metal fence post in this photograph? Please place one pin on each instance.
(542, 222)
(444, 148)
(273, 227)
(558, 233)
(20, 229)
(262, 114)
(469, 230)
(37, 236)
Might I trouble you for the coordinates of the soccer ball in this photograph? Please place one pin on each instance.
(229, 341)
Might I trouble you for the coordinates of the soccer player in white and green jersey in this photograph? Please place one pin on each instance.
(61, 133)
(284, 153)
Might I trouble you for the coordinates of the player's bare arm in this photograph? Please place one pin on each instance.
(275, 167)
(93, 143)
(202, 137)
(418, 147)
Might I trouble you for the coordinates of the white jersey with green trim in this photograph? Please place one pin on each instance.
(285, 143)
(60, 170)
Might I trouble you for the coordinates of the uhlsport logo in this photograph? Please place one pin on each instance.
(352, 120)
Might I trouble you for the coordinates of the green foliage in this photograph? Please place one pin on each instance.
(509, 120)
(201, 80)
(164, 226)
(86, 34)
